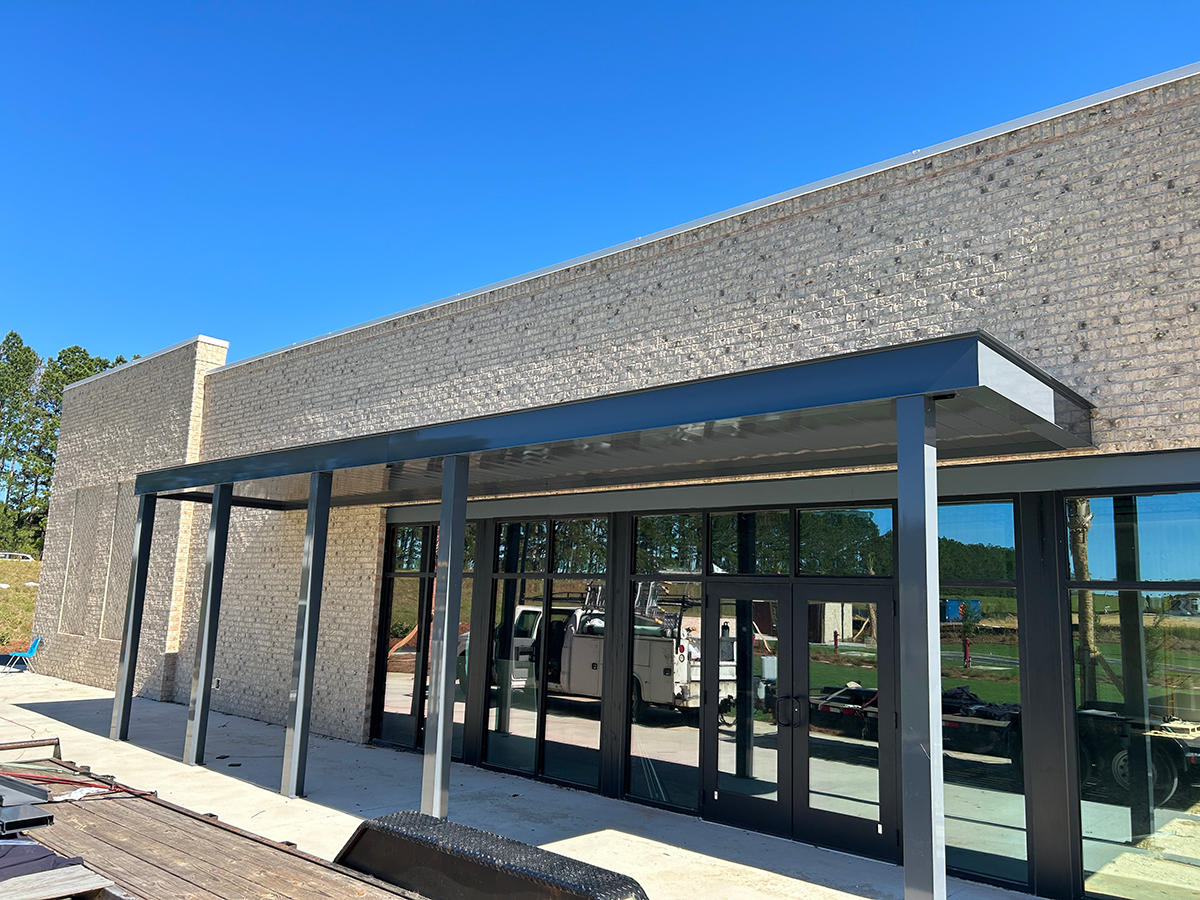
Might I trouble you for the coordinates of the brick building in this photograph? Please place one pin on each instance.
(710, 449)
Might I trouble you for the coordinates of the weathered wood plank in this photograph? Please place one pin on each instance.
(225, 863)
(275, 858)
(113, 859)
(54, 884)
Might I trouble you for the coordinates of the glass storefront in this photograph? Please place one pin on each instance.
(547, 654)
(1137, 688)
(408, 609)
(981, 691)
(1133, 583)
(664, 764)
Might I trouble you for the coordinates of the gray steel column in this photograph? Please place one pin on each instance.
(1047, 747)
(443, 644)
(135, 602)
(618, 656)
(924, 828)
(206, 627)
(308, 618)
(1133, 669)
(478, 676)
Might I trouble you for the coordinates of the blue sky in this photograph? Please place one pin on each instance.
(268, 172)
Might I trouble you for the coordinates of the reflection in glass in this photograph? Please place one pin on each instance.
(401, 706)
(981, 732)
(665, 708)
(408, 548)
(751, 543)
(747, 733)
(843, 703)
(469, 548)
(976, 542)
(512, 704)
(1158, 533)
(574, 676)
(1138, 728)
(669, 544)
(460, 671)
(844, 541)
(580, 545)
(522, 546)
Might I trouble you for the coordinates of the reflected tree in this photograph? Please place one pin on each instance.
(1079, 522)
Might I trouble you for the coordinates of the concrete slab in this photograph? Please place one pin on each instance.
(673, 856)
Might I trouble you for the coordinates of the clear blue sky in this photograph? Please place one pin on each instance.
(268, 172)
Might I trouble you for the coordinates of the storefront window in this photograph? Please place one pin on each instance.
(981, 691)
(1138, 728)
(844, 541)
(408, 548)
(580, 545)
(1155, 535)
(518, 630)
(522, 546)
(574, 681)
(669, 544)
(751, 543)
(664, 764)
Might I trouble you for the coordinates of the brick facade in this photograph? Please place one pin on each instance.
(141, 416)
(1074, 241)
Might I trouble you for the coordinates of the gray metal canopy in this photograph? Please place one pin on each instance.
(828, 413)
(907, 406)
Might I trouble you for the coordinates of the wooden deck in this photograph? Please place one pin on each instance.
(153, 849)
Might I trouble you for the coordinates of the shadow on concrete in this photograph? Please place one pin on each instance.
(370, 781)
(245, 749)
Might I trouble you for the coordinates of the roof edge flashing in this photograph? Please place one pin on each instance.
(1063, 109)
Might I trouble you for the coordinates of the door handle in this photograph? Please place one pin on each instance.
(795, 712)
(780, 704)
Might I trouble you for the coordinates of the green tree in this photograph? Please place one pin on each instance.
(31, 395)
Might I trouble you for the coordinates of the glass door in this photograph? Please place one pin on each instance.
(748, 752)
(800, 713)
(843, 710)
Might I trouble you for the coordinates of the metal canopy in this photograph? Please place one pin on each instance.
(829, 413)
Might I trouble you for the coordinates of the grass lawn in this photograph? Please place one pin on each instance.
(16, 604)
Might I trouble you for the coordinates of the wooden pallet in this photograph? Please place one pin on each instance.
(153, 849)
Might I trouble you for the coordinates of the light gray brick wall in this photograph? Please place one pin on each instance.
(141, 416)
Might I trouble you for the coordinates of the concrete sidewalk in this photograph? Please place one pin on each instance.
(672, 856)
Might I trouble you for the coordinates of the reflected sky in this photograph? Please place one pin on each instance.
(977, 523)
(1168, 535)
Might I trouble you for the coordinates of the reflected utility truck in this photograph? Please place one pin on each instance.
(666, 654)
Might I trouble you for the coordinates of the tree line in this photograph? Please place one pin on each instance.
(31, 392)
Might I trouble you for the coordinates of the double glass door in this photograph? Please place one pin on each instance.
(800, 713)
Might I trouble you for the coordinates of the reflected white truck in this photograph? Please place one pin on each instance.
(666, 665)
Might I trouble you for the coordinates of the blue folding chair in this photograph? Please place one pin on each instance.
(11, 665)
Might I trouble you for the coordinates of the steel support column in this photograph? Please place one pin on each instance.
(443, 645)
(308, 618)
(206, 627)
(617, 657)
(1133, 669)
(1048, 750)
(135, 602)
(477, 686)
(924, 830)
